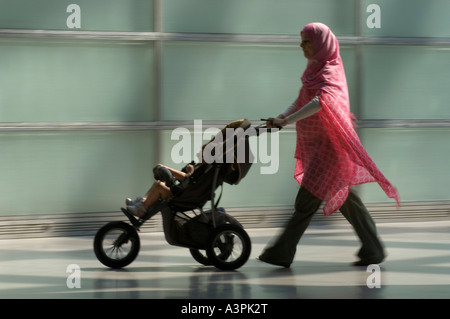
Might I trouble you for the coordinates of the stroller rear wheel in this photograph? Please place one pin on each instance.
(200, 255)
(116, 244)
(228, 247)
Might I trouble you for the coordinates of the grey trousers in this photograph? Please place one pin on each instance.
(283, 250)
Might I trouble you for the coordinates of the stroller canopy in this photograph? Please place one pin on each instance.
(231, 147)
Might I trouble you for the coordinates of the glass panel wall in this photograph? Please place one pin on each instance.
(229, 81)
(48, 80)
(405, 82)
(285, 17)
(90, 92)
(414, 160)
(73, 171)
(98, 15)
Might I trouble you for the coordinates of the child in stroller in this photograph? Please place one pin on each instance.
(180, 186)
(162, 189)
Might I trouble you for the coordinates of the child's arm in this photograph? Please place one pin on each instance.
(181, 176)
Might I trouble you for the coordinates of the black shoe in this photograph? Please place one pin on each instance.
(365, 263)
(281, 264)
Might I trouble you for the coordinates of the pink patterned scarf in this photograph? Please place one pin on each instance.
(330, 156)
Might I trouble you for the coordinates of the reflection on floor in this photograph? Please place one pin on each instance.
(417, 266)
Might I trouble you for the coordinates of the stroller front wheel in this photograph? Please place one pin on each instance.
(228, 247)
(116, 244)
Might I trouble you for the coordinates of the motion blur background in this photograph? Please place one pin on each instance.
(86, 113)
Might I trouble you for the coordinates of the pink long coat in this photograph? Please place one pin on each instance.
(330, 156)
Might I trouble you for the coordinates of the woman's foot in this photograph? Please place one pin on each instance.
(273, 262)
(367, 262)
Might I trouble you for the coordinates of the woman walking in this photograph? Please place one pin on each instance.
(330, 156)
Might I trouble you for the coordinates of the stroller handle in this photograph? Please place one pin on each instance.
(269, 130)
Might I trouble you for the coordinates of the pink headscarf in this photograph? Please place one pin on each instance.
(330, 156)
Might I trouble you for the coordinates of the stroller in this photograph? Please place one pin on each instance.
(213, 237)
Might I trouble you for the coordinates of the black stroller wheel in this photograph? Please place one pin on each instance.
(200, 256)
(228, 247)
(116, 244)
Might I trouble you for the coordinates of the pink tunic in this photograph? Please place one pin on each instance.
(330, 156)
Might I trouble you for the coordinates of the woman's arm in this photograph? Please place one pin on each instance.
(289, 111)
(307, 110)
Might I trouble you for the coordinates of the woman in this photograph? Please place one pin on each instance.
(330, 156)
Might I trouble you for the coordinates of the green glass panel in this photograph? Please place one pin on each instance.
(229, 81)
(75, 80)
(406, 82)
(407, 18)
(348, 55)
(99, 15)
(72, 172)
(270, 180)
(256, 16)
(414, 160)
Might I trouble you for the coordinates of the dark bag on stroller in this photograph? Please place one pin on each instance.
(193, 232)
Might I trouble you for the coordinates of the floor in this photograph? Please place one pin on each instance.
(417, 267)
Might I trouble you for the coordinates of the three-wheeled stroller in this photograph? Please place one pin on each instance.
(213, 237)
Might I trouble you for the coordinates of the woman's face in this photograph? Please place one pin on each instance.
(307, 46)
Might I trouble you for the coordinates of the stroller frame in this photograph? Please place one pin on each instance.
(212, 241)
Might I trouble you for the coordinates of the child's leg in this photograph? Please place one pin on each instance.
(159, 190)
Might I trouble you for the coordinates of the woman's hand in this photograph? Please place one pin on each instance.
(276, 122)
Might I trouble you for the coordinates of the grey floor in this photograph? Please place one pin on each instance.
(417, 267)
